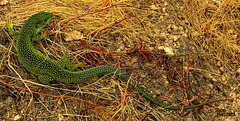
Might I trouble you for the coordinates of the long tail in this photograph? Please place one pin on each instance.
(161, 104)
(101, 70)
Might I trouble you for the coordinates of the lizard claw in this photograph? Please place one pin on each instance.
(10, 28)
(9, 23)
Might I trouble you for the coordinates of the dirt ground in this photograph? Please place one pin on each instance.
(182, 52)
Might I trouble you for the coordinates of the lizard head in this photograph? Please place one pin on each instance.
(40, 20)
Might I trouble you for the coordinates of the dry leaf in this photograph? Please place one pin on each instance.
(74, 35)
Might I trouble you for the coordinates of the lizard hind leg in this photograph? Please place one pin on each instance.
(45, 79)
(65, 63)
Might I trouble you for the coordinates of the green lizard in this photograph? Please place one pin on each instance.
(47, 70)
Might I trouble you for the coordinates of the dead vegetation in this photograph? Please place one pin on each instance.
(182, 52)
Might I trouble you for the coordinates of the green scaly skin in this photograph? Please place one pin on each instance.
(47, 70)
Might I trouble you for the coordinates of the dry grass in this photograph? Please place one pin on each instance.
(182, 52)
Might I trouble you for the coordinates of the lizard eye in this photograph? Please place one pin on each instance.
(37, 26)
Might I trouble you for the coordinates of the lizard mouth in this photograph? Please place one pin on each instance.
(42, 21)
(42, 24)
